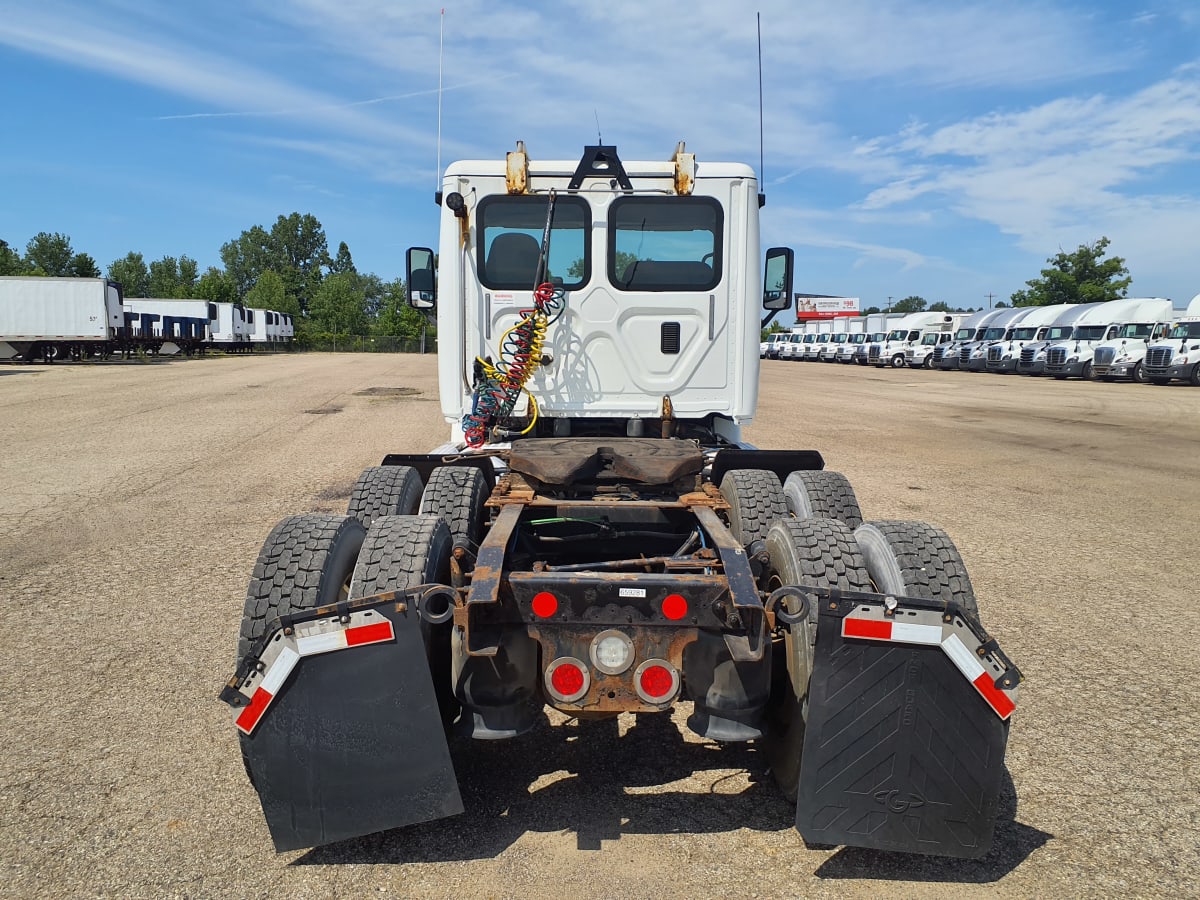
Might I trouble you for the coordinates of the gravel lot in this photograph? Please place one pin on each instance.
(135, 497)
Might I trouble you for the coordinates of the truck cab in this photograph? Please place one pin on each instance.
(1003, 356)
(1073, 358)
(1177, 354)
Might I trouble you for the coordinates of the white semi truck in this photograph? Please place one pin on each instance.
(1033, 326)
(52, 319)
(1124, 354)
(970, 330)
(972, 357)
(875, 331)
(1073, 358)
(842, 343)
(1033, 354)
(1178, 355)
(907, 332)
(597, 537)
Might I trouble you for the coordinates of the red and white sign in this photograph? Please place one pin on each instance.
(809, 308)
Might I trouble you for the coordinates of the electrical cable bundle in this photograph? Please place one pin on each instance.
(520, 355)
(498, 386)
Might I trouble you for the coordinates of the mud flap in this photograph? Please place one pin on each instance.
(351, 742)
(907, 727)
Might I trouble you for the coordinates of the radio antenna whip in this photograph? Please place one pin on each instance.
(599, 136)
(762, 196)
(437, 174)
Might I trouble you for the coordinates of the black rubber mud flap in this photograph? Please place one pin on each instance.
(901, 752)
(353, 744)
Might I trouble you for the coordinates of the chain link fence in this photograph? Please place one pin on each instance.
(357, 343)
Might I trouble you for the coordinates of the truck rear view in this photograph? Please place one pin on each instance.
(597, 537)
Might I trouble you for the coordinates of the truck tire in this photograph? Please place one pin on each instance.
(1139, 374)
(915, 559)
(1194, 378)
(897, 361)
(756, 501)
(457, 494)
(822, 553)
(404, 551)
(305, 562)
(1086, 372)
(385, 491)
(822, 494)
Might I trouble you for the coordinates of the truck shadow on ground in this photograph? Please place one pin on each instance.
(585, 778)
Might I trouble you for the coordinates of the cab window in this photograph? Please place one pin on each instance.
(665, 243)
(511, 242)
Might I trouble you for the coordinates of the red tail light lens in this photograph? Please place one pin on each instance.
(674, 607)
(545, 604)
(566, 679)
(656, 681)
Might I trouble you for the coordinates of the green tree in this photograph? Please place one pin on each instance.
(269, 293)
(187, 277)
(396, 317)
(940, 306)
(910, 304)
(217, 287)
(295, 249)
(49, 254)
(871, 310)
(164, 277)
(343, 262)
(83, 265)
(339, 306)
(1079, 277)
(132, 274)
(624, 261)
(10, 260)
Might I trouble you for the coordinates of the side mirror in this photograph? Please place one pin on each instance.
(421, 278)
(777, 278)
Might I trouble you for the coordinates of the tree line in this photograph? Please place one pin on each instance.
(287, 268)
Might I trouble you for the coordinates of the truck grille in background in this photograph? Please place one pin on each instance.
(1104, 356)
(1027, 356)
(964, 355)
(995, 354)
(873, 353)
(938, 353)
(1158, 357)
(1056, 356)
(669, 337)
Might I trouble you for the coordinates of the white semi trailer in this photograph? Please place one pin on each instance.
(52, 319)
(597, 537)
(1178, 356)
(1033, 326)
(1073, 358)
(232, 331)
(157, 324)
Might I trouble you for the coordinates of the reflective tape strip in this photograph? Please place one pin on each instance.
(978, 676)
(273, 680)
(324, 642)
(962, 657)
(889, 630)
(287, 655)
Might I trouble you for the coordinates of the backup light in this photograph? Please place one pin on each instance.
(566, 679)
(612, 652)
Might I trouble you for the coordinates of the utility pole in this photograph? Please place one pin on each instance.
(889, 309)
(990, 297)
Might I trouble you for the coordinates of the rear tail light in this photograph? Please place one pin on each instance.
(674, 607)
(656, 681)
(566, 679)
(544, 604)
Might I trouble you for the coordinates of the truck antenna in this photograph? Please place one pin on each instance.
(762, 197)
(437, 174)
(599, 136)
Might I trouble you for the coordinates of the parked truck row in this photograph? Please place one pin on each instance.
(1141, 339)
(56, 319)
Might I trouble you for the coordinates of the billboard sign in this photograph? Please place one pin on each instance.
(809, 308)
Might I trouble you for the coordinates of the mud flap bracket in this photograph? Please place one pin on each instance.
(342, 744)
(907, 725)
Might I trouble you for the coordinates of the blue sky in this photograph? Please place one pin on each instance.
(944, 149)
